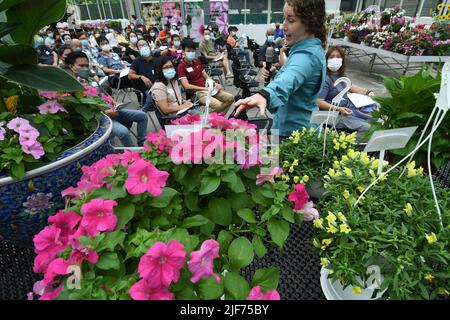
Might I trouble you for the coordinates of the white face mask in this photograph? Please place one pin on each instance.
(334, 64)
(207, 37)
(106, 47)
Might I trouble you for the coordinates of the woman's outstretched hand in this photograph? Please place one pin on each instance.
(255, 100)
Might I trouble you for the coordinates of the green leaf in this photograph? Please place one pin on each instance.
(108, 261)
(241, 252)
(6, 4)
(271, 212)
(124, 212)
(180, 172)
(17, 170)
(164, 199)
(7, 27)
(191, 201)
(224, 238)
(288, 214)
(111, 240)
(35, 15)
(229, 176)
(267, 278)
(209, 184)
(187, 293)
(18, 54)
(238, 200)
(279, 231)
(219, 210)
(247, 215)
(195, 221)
(43, 78)
(208, 228)
(235, 286)
(238, 186)
(209, 289)
(258, 246)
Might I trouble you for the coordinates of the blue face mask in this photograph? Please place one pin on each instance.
(39, 41)
(145, 51)
(84, 43)
(270, 38)
(177, 43)
(190, 56)
(169, 73)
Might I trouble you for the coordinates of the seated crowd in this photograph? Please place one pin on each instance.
(164, 70)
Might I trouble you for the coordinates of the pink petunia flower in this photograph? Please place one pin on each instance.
(41, 262)
(299, 196)
(108, 100)
(141, 290)
(17, 124)
(49, 241)
(2, 132)
(159, 140)
(201, 262)
(162, 264)
(51, 107)
(79, 255)
(187, 119)
(27, 140)
(309, 212)
(129, 157)
(90, 91)
(36, 150)
(55, 268)
(51, 295)
(218, 121)
(261, 178)
(82, 189)
(98, 216)
(53, 95)
(143, 176)
(29, 131)
(65, 221)
(256, 294)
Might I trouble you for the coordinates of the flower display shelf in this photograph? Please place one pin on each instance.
(299, 266)
(26, 204)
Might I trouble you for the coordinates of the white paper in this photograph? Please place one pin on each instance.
(124, 72)
(185, 109)
(220, 57)
(360, 100)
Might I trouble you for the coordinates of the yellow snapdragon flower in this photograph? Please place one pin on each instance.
(356, 290)
(305, 179)
(324, 262)
(291, 169)
(444, 292)
(431, 238)
(316, 243)
(332, 229)
(331, 172)
(336, 164)
(295, 163)
(318, 223)
(326, 243)
(344, 228)
(360, 189)
(346, 194)
(285, 164)
(408, 208)
(429, 277)
(344, 159)
(348, 172)
(296, 179)
(341, 217)
(331, 218)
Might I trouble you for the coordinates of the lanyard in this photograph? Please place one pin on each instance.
(178, 101)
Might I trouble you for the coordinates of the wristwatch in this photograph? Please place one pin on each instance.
(265, 94)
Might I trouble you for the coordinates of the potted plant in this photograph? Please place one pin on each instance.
(50, 125)
(303, 161)
(182, 235)
(410, 103)
(392, 242)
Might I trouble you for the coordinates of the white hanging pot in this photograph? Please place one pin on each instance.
(334, 290)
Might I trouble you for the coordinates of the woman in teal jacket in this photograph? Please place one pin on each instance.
(293, 93)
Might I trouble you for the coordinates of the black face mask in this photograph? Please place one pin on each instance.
(84, 72)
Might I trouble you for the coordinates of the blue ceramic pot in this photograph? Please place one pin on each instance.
(26, 204)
